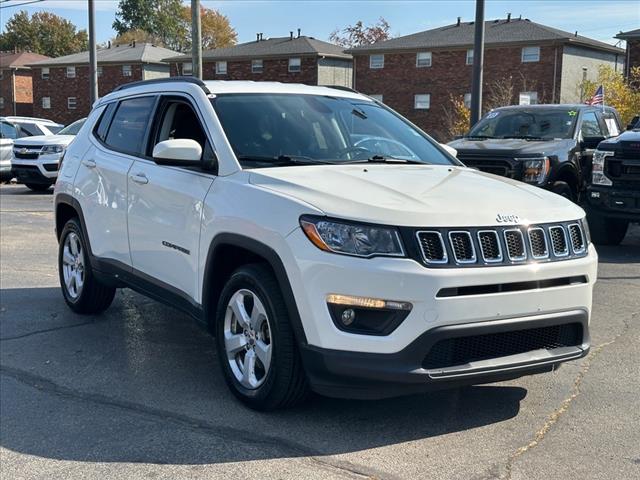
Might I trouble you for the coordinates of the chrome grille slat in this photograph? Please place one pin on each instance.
(514, 240)
(577, 238)
(490, 246)
(462, 246)
(432, 246)
(538, 243)
(559, 242)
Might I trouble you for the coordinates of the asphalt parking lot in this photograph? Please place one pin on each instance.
(136, 393)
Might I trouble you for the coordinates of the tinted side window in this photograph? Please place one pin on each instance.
(590, 126)
(127, 131)
(102, 126)
(8, 131)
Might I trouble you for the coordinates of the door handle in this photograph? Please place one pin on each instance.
(140, 178)
(89, 163)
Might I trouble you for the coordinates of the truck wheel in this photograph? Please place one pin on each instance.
(81, 290)
(564, 190)
(37, 187)
(256, 345)
(606, 231)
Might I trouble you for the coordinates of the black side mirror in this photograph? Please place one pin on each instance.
(591, 143)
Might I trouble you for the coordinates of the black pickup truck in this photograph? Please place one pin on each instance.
(613, 191)
(546, 145)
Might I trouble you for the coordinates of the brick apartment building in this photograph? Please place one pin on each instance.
(632, 53)
(416, 74)
(292, 59)
(16, 86)
(61, 85)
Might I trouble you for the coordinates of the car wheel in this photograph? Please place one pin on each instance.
(606, 231)
(81, 289)
(564, 190)
(37, 187)
(256, 344)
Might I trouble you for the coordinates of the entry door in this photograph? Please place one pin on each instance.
(165, 206)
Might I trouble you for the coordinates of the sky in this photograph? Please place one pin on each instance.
(598, 19)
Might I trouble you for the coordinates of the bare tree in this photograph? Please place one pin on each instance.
(359, 34)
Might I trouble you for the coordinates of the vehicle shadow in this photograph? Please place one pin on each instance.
(627, 252)
(141, 383)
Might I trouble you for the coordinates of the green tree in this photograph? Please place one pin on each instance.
(44, 33)
(216, 29)
(161, 18)
(621, 94)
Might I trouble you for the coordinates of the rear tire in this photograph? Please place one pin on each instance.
(37, 187)
(81, 289)
(606, 231)
(252, 324)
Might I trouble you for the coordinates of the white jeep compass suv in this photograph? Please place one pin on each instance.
(328, 243)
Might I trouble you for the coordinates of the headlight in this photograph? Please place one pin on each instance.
(585, 229)
(535, 169)
(352, 238)
(597, 168)
(48, 149)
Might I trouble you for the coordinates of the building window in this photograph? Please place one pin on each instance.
(256, 66)
(295, 64)
(467, 100)
(470, 56)
(376, 61)
(528, 98)
(100, 71)
(126, 71)
(1, 103)
(1, 74)
(530, 54)
(221, 68)
(187, 68)
(423, 59)
(71, 72)
(71, 103)
(376, 96)
(44, 73)
(46, 103)
(422, 101)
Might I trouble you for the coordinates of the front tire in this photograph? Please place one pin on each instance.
(606, 231)
(82, 291)
(256, 345)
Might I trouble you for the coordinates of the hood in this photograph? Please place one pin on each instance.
(415, 195)
(513, 146)
(628, 136)
(45, 140)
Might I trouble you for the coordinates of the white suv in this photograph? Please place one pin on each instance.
(275, 215)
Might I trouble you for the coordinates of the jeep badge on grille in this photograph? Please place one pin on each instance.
(502, 218)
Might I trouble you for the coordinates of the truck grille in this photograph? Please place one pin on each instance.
(508, 245)
(462, 350)
(497, 167)
(24, 152)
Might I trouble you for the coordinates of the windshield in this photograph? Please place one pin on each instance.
(533, 123)
(73, 128)
(273, 129)
(55, 129)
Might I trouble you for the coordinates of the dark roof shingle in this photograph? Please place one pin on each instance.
(140, 53)
(630, 34)
(19, 60)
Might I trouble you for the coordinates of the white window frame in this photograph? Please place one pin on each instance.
(257, 66)
(469, 60)
(427, 55)
(71, 72)
(100, 71)
(72, 103)
(377, 96)
(187, 68)
(425, 101)
(127, 71)
(46, 103)
(45, 73)
(376, 61)
(295, 68)
(1, 102)
(530, 54)
(219, 69)
(467, 100)
(529, 96)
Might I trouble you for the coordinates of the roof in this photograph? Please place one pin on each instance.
(497, 32)
(630, 34)
(273, 47)
(19, 60)
(559, 106)
(14, 119)
(132, 53)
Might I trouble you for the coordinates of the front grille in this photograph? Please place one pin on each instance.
(24, 152)
(577, 239)
(515, 245)
(497, 167)
(559, 241)
(490, 246)
(433, 250)
(538, 243)
(460, 351)
(462, 247)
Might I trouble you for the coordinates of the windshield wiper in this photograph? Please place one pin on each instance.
(477, 137)
(524, 137)
(282, 160)
(384, 159)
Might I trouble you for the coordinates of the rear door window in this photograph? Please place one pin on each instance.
(129, 126)
(590, 126)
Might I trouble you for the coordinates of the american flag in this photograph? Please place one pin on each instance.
(598, 97)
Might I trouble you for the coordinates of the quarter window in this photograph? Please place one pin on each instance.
(530, 54)
(46, 103)
(423, 59)
(470, 56)
(71, 72)
(590, 126)
(105, 120)
(44, 73)
(127, 131)
(126, 71)
(376, 61)
(256, 66)
(72, 103)
(221, 68)
(295, 64)
(422, 101)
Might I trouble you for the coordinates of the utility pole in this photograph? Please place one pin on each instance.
(93, 60)
(478, 60)
(196, 39)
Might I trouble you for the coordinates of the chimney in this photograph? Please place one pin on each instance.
(109, 44)
(508, 17)
(257, 37)
(458, 24)
(261, 36)
(520, 17)
(291, 35)
(134, 44)
(299, 33)
(576, 34)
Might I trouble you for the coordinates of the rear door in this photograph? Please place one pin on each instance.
(165, 203)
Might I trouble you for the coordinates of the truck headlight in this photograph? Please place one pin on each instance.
(352, 238)
(535, 169)
(49, 149)
(597, 168)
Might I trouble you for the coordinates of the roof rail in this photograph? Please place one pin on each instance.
(340, 87)
(195, 81)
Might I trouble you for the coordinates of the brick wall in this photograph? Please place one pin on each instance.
(633, 49)
(274, 70)
(59, 88)
(400, 79)
(23, 91)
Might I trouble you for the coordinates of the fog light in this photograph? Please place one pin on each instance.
(348, 316)
(366, 316)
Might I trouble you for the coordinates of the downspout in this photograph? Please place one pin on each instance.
(555, 73)
(353, 73)
(13, 91)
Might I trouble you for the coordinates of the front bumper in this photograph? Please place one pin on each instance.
(43, 170)
(615, 202)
